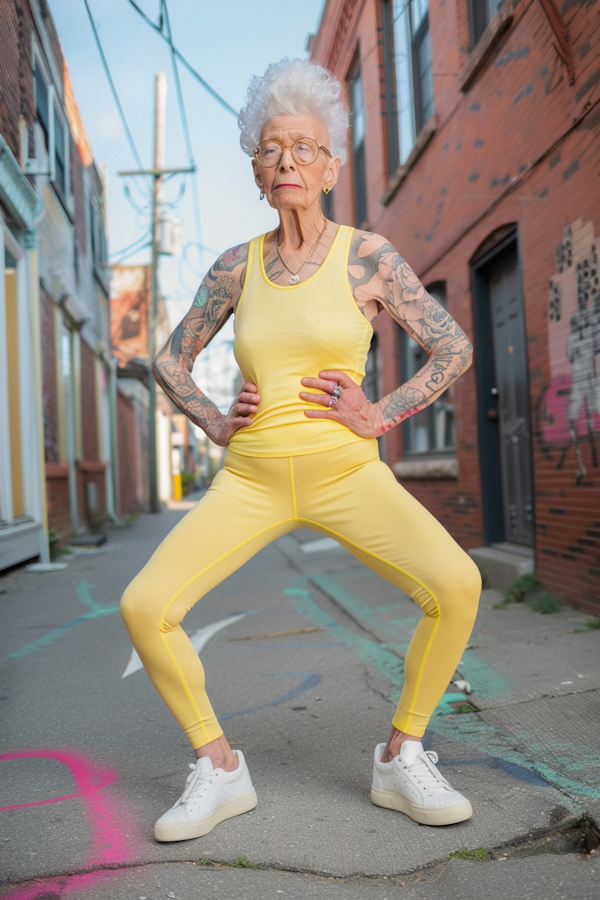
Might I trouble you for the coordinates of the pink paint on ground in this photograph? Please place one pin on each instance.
(110, 845)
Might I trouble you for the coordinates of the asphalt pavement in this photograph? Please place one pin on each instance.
(89, 756)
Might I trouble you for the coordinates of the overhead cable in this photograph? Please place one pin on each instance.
(128, 134)
(130, 246)
(184, 121)
(184, 61)
(131, 252)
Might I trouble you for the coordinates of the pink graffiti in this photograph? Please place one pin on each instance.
(556, 401)
(110, 846)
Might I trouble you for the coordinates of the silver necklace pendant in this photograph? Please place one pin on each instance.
(294, 279)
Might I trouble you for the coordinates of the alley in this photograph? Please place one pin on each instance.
(90, 757)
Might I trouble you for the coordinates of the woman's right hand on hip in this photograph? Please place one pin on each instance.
(239, 415)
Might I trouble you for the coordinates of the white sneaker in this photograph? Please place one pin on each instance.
(210, 796)
(411, 784)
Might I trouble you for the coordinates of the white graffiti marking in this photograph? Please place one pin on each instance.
(198, 638)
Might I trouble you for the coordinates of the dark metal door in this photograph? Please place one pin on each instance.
(512, 394)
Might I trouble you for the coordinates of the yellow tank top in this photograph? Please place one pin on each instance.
(284, 333)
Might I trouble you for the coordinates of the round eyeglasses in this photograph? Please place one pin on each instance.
(304, 152)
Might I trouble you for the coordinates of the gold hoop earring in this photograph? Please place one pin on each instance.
(326, 190)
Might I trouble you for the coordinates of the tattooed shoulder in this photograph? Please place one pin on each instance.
(224, 279)
(232, 258)
(366, 252)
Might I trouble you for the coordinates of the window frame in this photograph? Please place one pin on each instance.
(359, 168)
(439, 293)
(484, 49)
(419, 119)
(97, 234)
(38, 76)
(422, 34)
(58, 115)
(475, 17)
(55, 112)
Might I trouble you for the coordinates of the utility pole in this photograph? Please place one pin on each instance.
(160, 106)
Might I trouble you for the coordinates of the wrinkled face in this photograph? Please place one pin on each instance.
(289, 185)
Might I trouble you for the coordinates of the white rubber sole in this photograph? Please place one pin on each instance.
(447, 815)
(184, 831)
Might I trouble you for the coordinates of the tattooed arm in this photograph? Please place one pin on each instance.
(382, 279)
(214, 302)
(389, 280)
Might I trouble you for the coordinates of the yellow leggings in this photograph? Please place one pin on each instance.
(346, 493)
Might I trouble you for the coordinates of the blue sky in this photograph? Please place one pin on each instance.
(226, 43)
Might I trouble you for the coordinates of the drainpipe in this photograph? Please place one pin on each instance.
(36, 338)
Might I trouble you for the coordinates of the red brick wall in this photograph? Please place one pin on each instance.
(57, 488)
(89, 417)
(128, 461)
(52, 34)
(90, 468)
(519, 146)
(91, 471)
(10, 43)
(16, 83)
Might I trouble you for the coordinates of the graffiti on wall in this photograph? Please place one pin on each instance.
(571, 402)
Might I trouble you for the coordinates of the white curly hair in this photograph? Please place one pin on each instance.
(294, 87)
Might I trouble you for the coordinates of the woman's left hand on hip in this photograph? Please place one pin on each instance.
(352, 408)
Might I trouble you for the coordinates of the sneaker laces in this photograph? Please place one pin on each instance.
(192, 780)
(426, 772)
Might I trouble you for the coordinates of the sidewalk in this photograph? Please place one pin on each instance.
(91, 757)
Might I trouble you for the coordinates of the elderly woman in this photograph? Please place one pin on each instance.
(302, 450)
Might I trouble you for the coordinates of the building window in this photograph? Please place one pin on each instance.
(432, 429)
(56, 134)
(481, 13)
(358, 133)
(408, 74)
(370, 383)
(42, 107)
(98, 236)
(60, 168)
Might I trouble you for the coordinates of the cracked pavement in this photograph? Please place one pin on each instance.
(89, 759)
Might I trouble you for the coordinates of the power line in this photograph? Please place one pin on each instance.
(184, 123)
(203, 247)
(141, 211)
(128, 134)
(129, 246)
(131, 252)
(184, 61)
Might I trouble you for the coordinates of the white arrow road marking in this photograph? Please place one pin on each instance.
(198, 638)
(320, 545)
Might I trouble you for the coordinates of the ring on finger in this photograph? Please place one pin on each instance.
(337, 391)
(333, 400)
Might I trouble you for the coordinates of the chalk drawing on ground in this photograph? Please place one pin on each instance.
(198, 638)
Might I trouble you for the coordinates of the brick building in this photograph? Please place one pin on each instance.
(57, 459)
(130, 305)
(475, 149)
